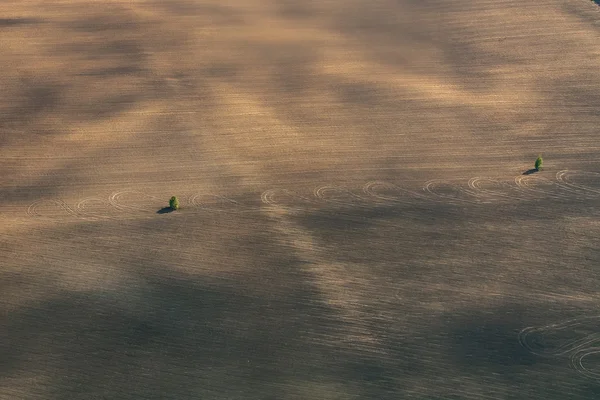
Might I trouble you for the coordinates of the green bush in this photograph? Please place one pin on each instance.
(539, 162)
(174, 203)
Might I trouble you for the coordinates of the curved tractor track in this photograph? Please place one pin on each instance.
(569, 184)
(566, 340)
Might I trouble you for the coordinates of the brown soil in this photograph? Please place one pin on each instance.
(354, 222)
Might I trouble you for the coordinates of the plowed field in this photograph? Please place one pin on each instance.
(356, 222)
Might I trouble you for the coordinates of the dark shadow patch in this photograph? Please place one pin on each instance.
(170, 328)
(587, 15)
(295, 9)
(40, 98)
(287, 67)
(31, 98)
(106, 107)
(216, 15)
(104, 23)
(576, 95)
(120, 47)
(471, 66)
(531, 171)
(588, 389)
(355, 235)
(221, 71)
(358, 93)
(491, 342)
(165, 210)
(273, 322)
(369, 371)
(115, 71)
(10, 22)
(389, 34)
(130, 51)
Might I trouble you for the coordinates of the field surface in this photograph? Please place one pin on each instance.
(355, 224)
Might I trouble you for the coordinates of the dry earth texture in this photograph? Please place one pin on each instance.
(354, 222)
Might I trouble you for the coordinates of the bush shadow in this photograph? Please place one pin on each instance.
(165, 210)
(531, 171)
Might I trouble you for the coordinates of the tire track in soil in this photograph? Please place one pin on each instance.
(340, 196)
(151, 203)
(578, 364)
(95, 208)
(137, 202)
(568, 179)
(385, 192)
(500, 191)
(452, 193)
(288, 200)
(536, 339)
(51, 209)
(538, 188)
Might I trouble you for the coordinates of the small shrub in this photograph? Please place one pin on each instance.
(539, 162)
(174, 203)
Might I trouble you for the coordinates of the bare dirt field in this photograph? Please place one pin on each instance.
(355, 221)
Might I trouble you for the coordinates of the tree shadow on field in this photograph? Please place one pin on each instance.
(169, 337)
(531, 171)
(268, 329)
(159, 333)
